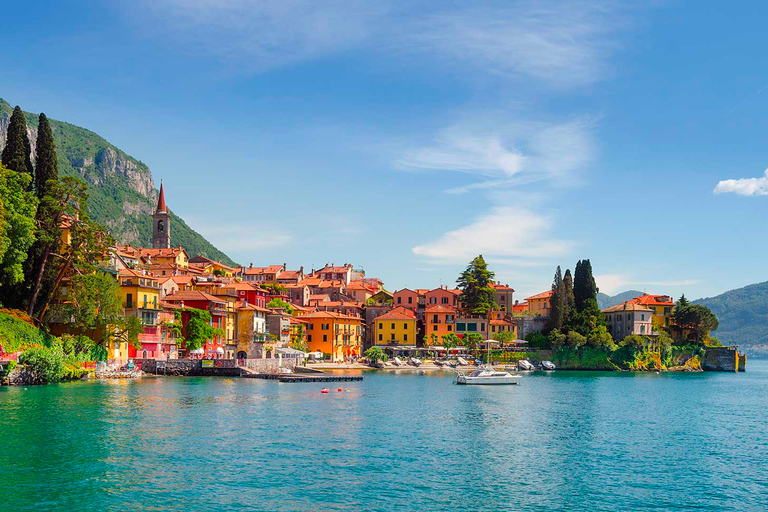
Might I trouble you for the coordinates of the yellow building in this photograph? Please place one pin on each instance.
(540, 303)
(662, 306)
(334, 334)
(209, 266)
(173, 256)
(140, 295)
(396, 327)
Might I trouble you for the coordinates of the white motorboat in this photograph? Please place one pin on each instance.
(486, 375)
(525, 365)
(548, 365)
(415, 362)
(462, 361)
(398, 362)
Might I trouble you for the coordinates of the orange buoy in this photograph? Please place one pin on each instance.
(339, 390)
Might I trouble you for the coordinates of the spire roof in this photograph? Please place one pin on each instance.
(161, 200)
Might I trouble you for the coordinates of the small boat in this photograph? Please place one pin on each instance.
(376, 364)
(389, 363)
(325, 390)
(525, 365)
(452, 364)
(462, 361)
(414, 362)
(439, 364)
(487, 375)
(547, 365)
(397, 362)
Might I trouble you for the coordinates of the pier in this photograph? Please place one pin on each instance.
(303, 378)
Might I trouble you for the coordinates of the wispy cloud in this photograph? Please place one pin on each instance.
(564, 43)
(503, 154)
(744, 186)
(505, 232)
(612, 283)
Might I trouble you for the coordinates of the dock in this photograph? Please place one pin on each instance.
(286, 377)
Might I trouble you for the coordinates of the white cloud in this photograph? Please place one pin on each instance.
(505, 232)
(505, 153)
(612, 283)
(744, 186)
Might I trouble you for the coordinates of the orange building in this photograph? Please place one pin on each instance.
(438, 320)
(334, 334)
(407, 299)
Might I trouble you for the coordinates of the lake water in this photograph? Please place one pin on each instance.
(564, 441)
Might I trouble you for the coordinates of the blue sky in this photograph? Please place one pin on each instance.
(408, 136)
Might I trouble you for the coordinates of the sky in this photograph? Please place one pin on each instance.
(406, 137)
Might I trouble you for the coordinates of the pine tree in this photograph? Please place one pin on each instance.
(475, 285)
(47, 164)
(557, 301)
(17, 153)
(584, 286)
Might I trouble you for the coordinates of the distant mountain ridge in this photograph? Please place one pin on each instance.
(743, 315)
(122, 190)
(606, 301)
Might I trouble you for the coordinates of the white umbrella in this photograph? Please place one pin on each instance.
(219, 350)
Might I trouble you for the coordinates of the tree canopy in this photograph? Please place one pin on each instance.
(47, 164)
(17, 225)
(476, 292)
(17, 153)
(584, 286)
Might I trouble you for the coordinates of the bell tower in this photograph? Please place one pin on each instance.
(161, 225)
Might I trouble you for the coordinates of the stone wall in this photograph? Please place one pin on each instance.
(189, 367)
(721, 359)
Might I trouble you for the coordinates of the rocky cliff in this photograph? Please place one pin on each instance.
(122, 190)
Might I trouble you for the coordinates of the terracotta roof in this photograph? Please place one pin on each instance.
(495, 321)
(653, 300)
(421, 291)
(271, 269)
(627, 306)
(438, 308)
(543, 295)
(312, 281)
(181, 279)
(180, 295)
(239, 286)
(290, 274)
(331, 314)
(134, 273)
(399, 313)
(334, 269)
(320, 297)
(499, 286)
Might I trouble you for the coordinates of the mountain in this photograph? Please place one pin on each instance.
(122, 191)
(606, 301)
(743, 316)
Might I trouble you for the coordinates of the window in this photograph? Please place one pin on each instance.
(472, 326)
(410, 300)
(433, 300)
(381, 337)
(405, 326)
(503, 298)
(325, 337)
(482, 327)
(450, 328)
(642, 329)
(145, 301)
(434, 319)
(381, 325)
(129, 300)
(405, 337)
(393, 325)
(392, 336)
(434, 327)
(460, 327)
(309, 338)
(642, 316)
(445, 300)
(628, 317)
(154, 302)
(399, 300)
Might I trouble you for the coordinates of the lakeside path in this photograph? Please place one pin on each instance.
(405, 367)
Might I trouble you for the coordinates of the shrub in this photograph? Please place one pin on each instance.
(556, 339)
(600, 338)
(537, 340)
(47, 363)
(575, 340)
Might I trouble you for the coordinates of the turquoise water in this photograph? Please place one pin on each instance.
(564, 441)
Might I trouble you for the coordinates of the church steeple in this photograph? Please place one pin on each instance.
(161, 224)
(161, 200)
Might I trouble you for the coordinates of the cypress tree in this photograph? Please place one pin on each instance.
(570, 301)
(584, 286)
(47, 164)
(557, 301)
(17, 153)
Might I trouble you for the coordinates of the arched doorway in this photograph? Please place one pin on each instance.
(242, 355)
(144, 354)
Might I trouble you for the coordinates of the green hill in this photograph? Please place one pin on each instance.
(122, 191)
(743, 315)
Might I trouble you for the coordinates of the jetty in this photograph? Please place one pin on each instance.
(293, 377)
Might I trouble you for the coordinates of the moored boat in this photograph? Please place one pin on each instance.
(525, 365)
(547, 365)
(487, 375)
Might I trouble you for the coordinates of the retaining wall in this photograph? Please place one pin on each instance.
(722, 359)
